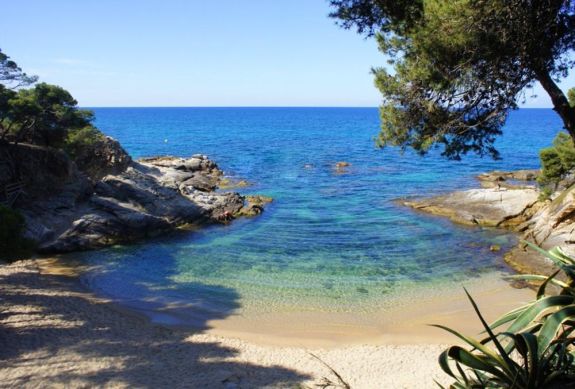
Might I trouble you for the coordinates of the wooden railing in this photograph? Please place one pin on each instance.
(12, 192)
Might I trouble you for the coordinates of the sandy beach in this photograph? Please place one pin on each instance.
(56, 334)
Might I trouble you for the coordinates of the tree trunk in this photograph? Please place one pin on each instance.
(560, 102)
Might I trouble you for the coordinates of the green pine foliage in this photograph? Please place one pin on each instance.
(559, 159)
(42, 114)
(460, 66)
(79, 139)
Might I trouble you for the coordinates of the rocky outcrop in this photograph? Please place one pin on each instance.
(119, 200)
(507, 200)
(553, 225)
(104, 157)
(491, 207)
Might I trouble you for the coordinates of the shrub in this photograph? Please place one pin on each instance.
(43, 115)
(545, 193)
(80, 139)
(12, 244)
(557, 161)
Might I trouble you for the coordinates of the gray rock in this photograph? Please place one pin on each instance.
(200, 182)
(148, 198)
(553, 225)
(114, 199)
(102, 158)
(485, 207)
(546, 224)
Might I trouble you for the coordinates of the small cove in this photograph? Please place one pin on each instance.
(332, 243)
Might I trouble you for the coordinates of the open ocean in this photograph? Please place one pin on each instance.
(329, 242)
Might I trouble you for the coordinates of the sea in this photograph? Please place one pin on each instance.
(331, 241)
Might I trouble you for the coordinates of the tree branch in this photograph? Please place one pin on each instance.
(560, 102)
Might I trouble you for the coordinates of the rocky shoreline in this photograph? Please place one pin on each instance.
(106, 198)
(511, 200)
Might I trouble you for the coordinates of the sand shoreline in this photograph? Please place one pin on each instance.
(405, 322)
(55, 333)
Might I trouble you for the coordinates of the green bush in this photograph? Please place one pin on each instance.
(557, 161)
(42, 115)
(12, 244)
(79, 139)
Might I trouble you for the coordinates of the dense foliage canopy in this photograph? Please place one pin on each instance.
(460, 66)
(43, 114)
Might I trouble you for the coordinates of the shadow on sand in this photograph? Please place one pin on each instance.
(53, 333)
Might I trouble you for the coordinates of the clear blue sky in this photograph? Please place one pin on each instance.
(195, 52)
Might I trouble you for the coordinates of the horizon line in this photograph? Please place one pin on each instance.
(252, 106)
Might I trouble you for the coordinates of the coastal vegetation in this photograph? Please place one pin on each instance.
(12, 75)
(45, 115)
(536, 348)
(558, 160)
(42, 115)
(459, 67)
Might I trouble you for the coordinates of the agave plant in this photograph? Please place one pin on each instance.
(537, 349)
(537, 311)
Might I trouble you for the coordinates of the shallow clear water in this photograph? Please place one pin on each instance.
(330, 241)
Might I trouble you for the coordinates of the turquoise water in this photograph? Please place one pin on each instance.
(331, 241)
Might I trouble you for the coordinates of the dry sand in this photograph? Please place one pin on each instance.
(53, 333)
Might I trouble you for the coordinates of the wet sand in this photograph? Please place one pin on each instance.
(407, 323)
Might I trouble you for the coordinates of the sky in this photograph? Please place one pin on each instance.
(196, 52)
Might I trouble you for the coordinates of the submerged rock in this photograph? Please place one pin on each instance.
(342, 164)
(230, 183)
(511, 180)
(341, 167)
(254, 205)
(494, 248)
